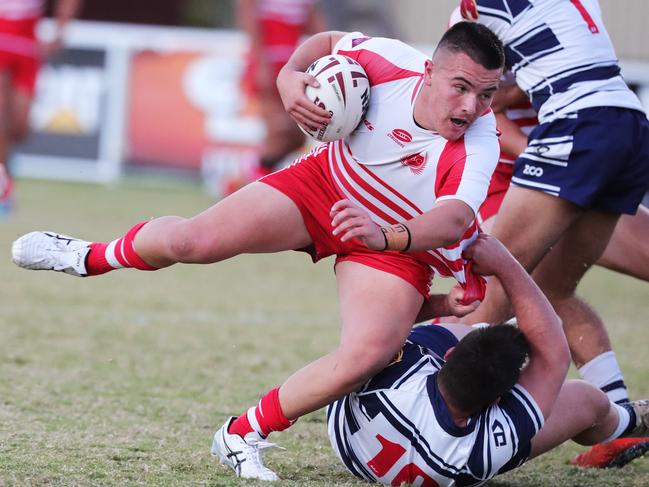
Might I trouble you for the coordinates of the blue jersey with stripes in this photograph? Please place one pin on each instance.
(398, 429)
(559, 51)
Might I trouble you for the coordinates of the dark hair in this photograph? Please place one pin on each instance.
(477, 42)
(484, 365)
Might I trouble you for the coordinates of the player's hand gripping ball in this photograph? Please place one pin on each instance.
(344, 92)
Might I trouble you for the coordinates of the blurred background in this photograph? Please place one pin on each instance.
(152, 88)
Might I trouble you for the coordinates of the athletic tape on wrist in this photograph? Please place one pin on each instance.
(397, 237)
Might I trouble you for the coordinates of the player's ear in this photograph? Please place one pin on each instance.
(429, 67)
(448, 353)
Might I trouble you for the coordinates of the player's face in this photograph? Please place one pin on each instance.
(458, 92)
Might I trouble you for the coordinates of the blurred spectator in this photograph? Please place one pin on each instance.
(372, 17)
(20, 56)
(274, 28)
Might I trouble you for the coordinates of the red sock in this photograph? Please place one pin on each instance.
(118, 254)
(264, 418)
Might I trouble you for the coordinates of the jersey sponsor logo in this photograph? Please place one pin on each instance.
(416, 162)
(499, 434)
(400, 136)
(535, 171)
(542, 149)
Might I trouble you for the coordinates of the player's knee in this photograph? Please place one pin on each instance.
(357, 363)
(593, 402)
(188, 244)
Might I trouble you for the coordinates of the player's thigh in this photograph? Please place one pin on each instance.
(530, 222)
(255, 219)
(628, 251)
(578, 249)
(577, 408)
(377, 310)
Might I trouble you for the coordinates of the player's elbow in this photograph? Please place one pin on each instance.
(455, 230)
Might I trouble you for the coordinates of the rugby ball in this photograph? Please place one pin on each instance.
(344, 92)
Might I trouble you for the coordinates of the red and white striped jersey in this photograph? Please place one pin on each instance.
(397, 170)
(294, 12)
(21, 9)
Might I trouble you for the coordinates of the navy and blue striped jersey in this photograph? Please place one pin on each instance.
(398, 429)
(559, 51)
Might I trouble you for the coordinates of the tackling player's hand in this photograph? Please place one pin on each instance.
(349, 221)
(291, 85)
(490, 257)
(454, 300)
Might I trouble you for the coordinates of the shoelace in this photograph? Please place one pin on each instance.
(257, 448)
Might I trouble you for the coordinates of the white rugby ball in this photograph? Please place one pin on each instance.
(344, 92)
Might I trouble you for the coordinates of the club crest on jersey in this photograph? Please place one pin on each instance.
(499, 434)
(401, 137)
(416, 162)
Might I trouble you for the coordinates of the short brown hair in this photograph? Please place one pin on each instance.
(476, 41)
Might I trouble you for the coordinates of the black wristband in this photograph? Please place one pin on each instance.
(409, 238)
(385, 238)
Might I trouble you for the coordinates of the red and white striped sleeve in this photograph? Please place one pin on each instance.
(466, 165)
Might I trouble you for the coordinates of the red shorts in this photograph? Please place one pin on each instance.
(19, 53)
(498, 187)
(309, 184)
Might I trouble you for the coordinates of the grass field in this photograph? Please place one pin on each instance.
(122, 379)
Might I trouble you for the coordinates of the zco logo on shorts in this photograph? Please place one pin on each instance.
(400, 136)
(533, 170)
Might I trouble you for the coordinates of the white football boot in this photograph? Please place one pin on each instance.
(50, 251)
(641, 409)
(242, 455)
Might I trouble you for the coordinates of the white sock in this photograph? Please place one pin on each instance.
(604, 372)
(624, 422)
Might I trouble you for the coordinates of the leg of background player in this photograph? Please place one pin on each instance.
(558, 275)
(628, 250)
(5, 130)
(581, 413)
(544, 219)
(283, 136)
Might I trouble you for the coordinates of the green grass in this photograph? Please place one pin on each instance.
(121, 380)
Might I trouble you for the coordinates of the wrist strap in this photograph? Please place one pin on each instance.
(397, 237)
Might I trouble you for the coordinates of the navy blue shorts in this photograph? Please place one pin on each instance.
(597, 158)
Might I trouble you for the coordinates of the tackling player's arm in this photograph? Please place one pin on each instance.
(549, 354)
(450, 304)
(512, 139)
(292, 81)
(508, 96)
